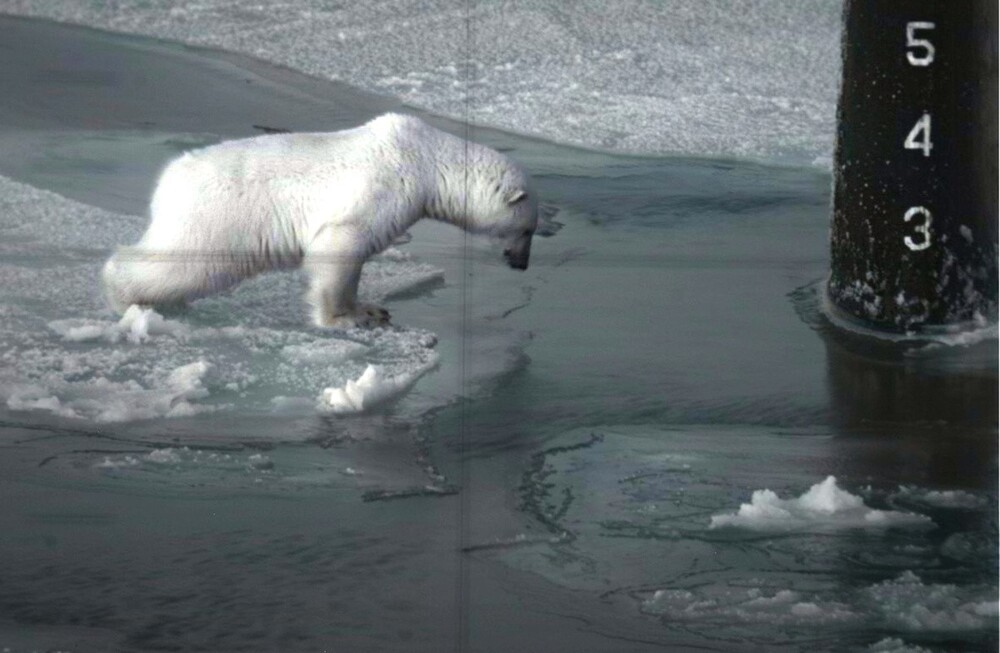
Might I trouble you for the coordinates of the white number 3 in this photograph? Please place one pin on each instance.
(922, 229)
(913, 42)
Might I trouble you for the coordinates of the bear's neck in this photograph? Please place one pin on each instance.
(452, 195)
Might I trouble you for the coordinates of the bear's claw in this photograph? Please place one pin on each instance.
(373, 315)
(364, 316)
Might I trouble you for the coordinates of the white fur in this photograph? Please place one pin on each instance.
(327, 201)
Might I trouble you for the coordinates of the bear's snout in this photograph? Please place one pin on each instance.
(516, 262)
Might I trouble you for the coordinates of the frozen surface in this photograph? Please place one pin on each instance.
(703, 77)
(64, 353)
(824, 505)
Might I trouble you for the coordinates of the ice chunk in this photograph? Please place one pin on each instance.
(824, 505)
(371, 389)
(747, 605)
(140, 323)
(163, 456)
(895, 645)
(942, 498)
(906, 602)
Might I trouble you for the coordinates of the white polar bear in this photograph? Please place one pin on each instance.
(327, 201)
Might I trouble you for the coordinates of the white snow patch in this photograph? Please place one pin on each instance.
(824, 505)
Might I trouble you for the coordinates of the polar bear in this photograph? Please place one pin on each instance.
(325, 201)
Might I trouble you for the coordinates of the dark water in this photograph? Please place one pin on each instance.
(552, 484)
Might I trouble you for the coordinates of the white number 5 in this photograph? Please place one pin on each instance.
(913, 42)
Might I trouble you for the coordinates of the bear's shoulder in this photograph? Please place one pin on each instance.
(397, 125)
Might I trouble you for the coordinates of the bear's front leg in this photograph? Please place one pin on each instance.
(333, 291)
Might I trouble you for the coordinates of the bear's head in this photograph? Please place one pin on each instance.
(509, 211)
(521, 224)
(483, 192)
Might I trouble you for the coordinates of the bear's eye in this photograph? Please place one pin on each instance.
(527, 232)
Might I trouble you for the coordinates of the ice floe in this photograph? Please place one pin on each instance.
(824, 505)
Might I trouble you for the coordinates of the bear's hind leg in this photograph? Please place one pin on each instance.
(333, 291)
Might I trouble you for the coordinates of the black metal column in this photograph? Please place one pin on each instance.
(914, 235)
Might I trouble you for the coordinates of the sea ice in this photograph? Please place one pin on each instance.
(824, 505)
(699, 77)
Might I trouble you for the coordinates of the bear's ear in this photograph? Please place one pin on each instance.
(517, 196)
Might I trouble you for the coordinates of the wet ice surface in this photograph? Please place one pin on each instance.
(698, 77)
(663, 362)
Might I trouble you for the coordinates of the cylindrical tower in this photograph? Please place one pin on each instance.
(914, 234)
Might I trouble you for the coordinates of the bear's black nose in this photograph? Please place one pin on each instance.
(516, 262)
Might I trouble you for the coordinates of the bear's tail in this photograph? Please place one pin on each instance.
(114, 285)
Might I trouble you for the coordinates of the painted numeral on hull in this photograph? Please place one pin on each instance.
(919, 137)
(924, 54)
(923, 229)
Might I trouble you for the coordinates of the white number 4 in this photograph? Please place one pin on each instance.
(919, 137)
(913, 42)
